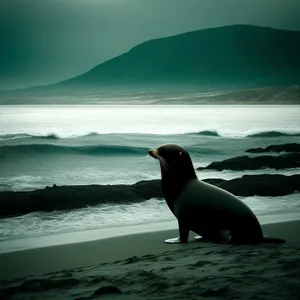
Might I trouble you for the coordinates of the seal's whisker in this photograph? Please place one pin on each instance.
(164, 165)
(164, 168)
(167, 167)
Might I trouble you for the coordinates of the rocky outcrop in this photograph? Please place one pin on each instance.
(260, 185)
(72, 197)
(290, 160)
(291, 147)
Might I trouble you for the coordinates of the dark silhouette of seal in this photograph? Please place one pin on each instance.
(213, 213)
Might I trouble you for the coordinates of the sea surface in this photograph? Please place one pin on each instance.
(108, 144)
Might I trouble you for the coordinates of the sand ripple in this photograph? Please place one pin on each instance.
(207, 271)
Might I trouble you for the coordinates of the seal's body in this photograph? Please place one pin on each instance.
(209, 211)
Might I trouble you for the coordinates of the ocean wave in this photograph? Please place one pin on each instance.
(58, 149)
(208, 133)
(50, 136)
(106, 150)
(271, 134)
(15, 136)
(261, 134)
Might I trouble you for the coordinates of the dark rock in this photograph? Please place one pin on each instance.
(290, 160)
(72, 197)
(292, 147)
(107, 290)
(215, 292)
(260, 185)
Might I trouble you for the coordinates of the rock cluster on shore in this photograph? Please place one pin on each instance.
(291, 147)
(284, 161)
(72, 197)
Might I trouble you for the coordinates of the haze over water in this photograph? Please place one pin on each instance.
(78, 120)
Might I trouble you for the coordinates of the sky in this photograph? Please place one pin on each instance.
(46, 41)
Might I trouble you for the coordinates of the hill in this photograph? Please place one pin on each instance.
(230, 57)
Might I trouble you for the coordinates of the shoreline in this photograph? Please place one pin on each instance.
(38, 261)
(75, 237)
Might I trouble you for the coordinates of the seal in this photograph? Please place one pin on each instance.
(211, 212)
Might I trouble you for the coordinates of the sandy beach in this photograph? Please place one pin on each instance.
(140, 265)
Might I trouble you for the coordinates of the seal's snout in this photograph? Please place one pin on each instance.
(153, 153)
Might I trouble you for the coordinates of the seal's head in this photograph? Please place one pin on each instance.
(175, 163)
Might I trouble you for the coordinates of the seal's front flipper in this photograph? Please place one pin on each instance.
(183, 231)
(174, 241)
(183, 235)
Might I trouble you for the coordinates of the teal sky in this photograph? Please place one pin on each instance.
(45, 41)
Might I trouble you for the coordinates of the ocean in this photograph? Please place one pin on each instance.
(108, 144)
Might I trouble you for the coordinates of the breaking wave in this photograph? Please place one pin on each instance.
(272, 134)
(57, 149)
(16, 136)
(212, 133)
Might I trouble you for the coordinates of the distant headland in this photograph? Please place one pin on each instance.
(230, 58)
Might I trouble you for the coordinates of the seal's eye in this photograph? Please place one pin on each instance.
(180, 153)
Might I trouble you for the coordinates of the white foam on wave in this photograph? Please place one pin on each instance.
(104, 177)
(102, 216)
(22, 183)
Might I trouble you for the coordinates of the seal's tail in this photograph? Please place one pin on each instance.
(267, 239)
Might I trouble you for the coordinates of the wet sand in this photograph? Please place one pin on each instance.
(140, 265)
